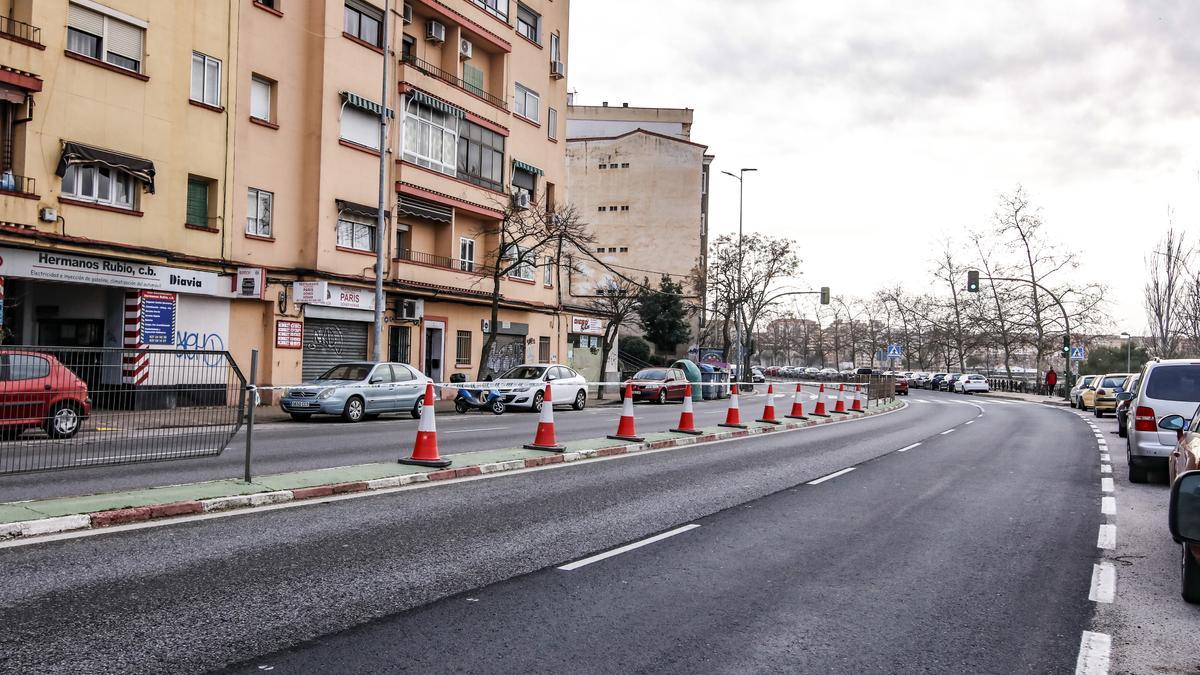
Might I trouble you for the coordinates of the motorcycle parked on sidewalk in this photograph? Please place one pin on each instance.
(477, 399)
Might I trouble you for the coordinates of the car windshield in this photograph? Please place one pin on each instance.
(524, 373)
(1087, 381)
(1112, 382)
(651, 374)
(347, 371)
(1174, 383)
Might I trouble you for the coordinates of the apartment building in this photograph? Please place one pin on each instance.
(642, 184)
(220, 161)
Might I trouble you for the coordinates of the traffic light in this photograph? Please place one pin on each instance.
(972, 281)
(1066, 346)
(824, 295)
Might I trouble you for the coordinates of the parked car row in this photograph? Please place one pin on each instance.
(815, 374)
(961, 383)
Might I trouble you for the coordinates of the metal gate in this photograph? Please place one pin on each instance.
(328, 342)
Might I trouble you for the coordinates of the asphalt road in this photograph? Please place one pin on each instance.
(968, 553)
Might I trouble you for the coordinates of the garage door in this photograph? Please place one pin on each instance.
(328, 343)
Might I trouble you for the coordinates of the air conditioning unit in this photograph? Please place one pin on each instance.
(407, 13)
(558, 70)
(521, 198)
(435, 31)
(410, 310)
(465, 49)
(48, 215)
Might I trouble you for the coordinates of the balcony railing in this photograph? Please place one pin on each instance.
(21, 30)
(12, 183)
(450, 78)
(432, 260)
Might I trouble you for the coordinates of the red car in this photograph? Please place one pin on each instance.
(36, 390)
(658, 384)
(902, 385)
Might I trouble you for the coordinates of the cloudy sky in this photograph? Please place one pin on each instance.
(880, 128)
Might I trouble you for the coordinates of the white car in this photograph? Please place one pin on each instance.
(970, 384)
(524, 386)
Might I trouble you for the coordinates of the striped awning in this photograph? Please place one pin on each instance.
(364, 210)
(518, 164)
(415, 207)
(361, 103)
(436, 103)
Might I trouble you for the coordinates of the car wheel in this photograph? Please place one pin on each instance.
(538, 398)
(301, 417)
(63, 421)
(1072, 404)
(497, 407)
(1189, 575)
(353, 412)
(662, 397)
(580, 400)
(418, 408)
(460, 406)
(1138, 473)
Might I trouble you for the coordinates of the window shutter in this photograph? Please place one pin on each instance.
(359, 126)
(85, 20)
(125, 40)
(260, 99)
(197, 202)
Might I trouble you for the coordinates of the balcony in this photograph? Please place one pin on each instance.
(450, 78)
(21, 32)
(445, 262)
(17, 185)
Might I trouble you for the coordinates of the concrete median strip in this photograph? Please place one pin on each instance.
(19, 520)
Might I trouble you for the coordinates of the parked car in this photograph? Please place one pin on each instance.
(1101, 397)
(1168, 387)
(658, 384)
(358, 390)
(757, 375)
(1077, 391)
(901, 385)
(812, 373)
(1184, 474)
(947, 384)
(972, 384)
(828, 374)
(935, 381)
(524, 386)
(1130, 385)
(920, 380)
(37, 390)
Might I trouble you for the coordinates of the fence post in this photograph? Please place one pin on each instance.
(252, 391)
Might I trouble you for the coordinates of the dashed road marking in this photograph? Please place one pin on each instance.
(946, 432)
(1104, 583)
(1094, 649)
(908, 447)
(831, 476)
(627, 547)
(1108, 506)
(1105, 457)
(1106, 485)
(1107, 538)
(1105, 468)
(969, 422)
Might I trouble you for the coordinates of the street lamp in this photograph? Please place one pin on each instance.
(1126, 337)
(737, 318)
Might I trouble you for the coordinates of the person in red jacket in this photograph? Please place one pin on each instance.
(1051, 381)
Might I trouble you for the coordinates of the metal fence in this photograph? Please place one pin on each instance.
(70, 407)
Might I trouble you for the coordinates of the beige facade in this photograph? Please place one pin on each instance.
(243, 135)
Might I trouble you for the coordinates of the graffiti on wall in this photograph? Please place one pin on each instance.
(189, 343)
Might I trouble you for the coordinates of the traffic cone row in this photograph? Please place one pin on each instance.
(768, 415)
(819, 409)
(687, 421)
(797, 412)
(839, 403)
(733, 416)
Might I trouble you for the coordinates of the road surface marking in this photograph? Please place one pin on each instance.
(946, 432)
(969, 422)
(907, 448)
(1106, 485)
(1108, 506)
(1094, 649)
(831, 476)
(1105, 457)
(1105, 468)
(920, 400)
(627, 547)
(1104, 583)
(466, 431)
(1107, 537)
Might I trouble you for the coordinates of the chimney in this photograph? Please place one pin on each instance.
(624, 105)
(605, 104)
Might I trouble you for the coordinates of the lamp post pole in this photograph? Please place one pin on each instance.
(1128, 339)
(737, 316)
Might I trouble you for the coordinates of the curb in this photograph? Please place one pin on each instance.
(138, 514)
(1008, 397)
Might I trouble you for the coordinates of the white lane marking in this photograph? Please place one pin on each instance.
(908, 447)
(1105, 468)
(626, 548)
(1107, 537)
(969, 422)
(946, 432)
(1104, 583)
(1108, 506)
(1094, 649)
(1106, 485)
(920, 400)
(467, 431)
(831, 476)
(1105, 457)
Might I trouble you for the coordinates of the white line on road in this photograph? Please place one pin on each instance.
(1094, 649)
(626, 548)
(948, 431)
(1108, 506)
(1104, 583)
(831, 476)
(1107, 537)
(1106, 485)
(1105, 468)
(467, 431)
(969, 422)
(908, 447)
(1105, 457)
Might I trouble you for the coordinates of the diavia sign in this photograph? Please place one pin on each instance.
(332, 295)
(587, 325)
(81, 269)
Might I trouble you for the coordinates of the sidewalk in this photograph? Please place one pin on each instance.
(1029, 398)
(48, 516)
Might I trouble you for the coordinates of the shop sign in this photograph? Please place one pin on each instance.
(289, 334)
(587, 325)
(332, 295)
(81, 269)
(158, 318)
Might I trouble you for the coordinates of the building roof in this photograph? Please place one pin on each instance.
(647, 132)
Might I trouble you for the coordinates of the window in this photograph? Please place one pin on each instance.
(399, 348)
(473, 79)
(480, 155)
(360, 127)
(529, 23)
(401, 240)
(466, 254)
(551, 124)
(259, 205)
(363, 22)
(624, 165)
(625, 207)
(267, 3)
(544, 351)
(497, 7)
(548, 270)
(462, 348)
(624, 249)
(431, 138)
(356, 232)
(600, 250)
(555, 50)
(525, 180)
(197, 200)
(105, 38)
(704, 182)
(382, 374)
(206, 79)
(99, 184)
(601, 208)
(261, 94)
(524, 270)
(527, 103)
(603, 166)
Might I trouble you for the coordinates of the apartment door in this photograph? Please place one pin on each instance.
(435, 346)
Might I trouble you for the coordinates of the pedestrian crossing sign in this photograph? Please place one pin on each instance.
(1077, 354)
(893, 352)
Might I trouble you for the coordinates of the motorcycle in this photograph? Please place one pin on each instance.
(475, 399)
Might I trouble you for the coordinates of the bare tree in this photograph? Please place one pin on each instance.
(997, 320)
(1164, 293)
(616, 302)
(952, 273)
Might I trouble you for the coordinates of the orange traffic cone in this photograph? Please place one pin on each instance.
(425, 451)
(839, 405)
(820, 408)
(856, 406)
(768, 415)
(733, 417)
(687, 421)
(626, 429)
(797, 406)
(544, 438)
